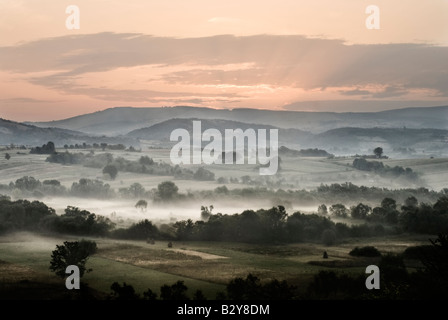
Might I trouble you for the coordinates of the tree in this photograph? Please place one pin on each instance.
(199, 295)
(411, 202)
(203, 174)
(367, 251)
(244, 289)
(111, 170)
(143, 230)
(389, 206)
(136, 189)
(149, 295)
(177, 291)
(145, 160)
(167, 190)
(72, 253)
(441, 206)
(322, 210)
(339, 210)
(7, 156)
(206, 212)
(378, 152)
(361, 211)
(125, 292)
(27, 183)
(48, 148)
(141, 204)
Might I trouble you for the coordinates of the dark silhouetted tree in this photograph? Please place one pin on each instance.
(361, 211)
(176, 291)
(378, 152)
(149, 295)
(72, 253)
(124, 292)
(199, 296)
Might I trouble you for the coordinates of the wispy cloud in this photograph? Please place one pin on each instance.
(188, 65)
(28, 100)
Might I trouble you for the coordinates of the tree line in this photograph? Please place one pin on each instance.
(384, 170)
(272, 225)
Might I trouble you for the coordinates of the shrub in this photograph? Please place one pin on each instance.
(367, 251)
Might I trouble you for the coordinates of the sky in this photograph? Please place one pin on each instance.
(320, 55)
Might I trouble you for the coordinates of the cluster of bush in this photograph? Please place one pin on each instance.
(47, 148)
(384, 170)
(304, 152)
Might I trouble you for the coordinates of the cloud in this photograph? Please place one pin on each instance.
(275, 60)
(387, 92)
(28, 100)
(355, 105)
(390, 92)
(355, 92)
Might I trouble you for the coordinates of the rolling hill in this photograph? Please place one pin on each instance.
(121, 120)
(28, 135)
(348, 140)
(162, 131)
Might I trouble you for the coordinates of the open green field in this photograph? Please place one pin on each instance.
(201, 265)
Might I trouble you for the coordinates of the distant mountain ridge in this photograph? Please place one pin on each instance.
(122, 120)
(350, 138)
(425, 129)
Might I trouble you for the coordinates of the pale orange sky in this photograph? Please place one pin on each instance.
(294, 55)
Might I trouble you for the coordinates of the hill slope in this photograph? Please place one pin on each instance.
(121, 120)
(162, 131)
(29, 135)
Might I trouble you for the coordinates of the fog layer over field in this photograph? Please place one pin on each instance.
(124, 212)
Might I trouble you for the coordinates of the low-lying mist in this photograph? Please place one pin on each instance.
(124, 212)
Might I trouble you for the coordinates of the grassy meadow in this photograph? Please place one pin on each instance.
(206, 266)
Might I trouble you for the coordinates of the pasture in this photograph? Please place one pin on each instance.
(207, 266)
